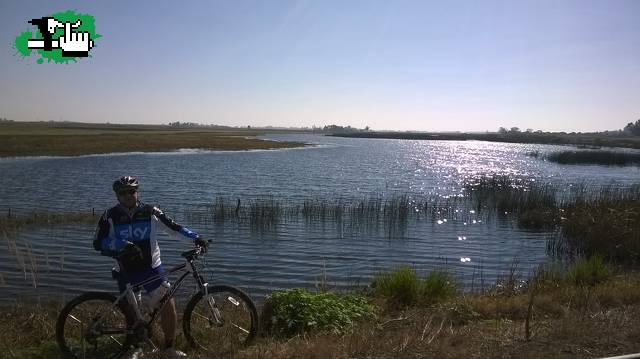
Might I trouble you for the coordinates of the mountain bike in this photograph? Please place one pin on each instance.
(218, 319)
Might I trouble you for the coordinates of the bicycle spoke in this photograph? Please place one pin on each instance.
(200, 315)
(115, 340)
(239, 327)
(74, 318)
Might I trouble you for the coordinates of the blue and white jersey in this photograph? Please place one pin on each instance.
(117, 227)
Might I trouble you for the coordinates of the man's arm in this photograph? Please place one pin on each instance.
(102, 241)
(171, 227)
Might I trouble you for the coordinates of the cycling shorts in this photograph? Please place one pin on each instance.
(137, 277)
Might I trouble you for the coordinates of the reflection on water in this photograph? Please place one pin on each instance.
(345, 209)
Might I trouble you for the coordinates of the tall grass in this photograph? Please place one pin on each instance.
(402, 286)
(396, 214)
(317, 210)
(589, 272)
(605, 223)
(263, 214)
(24, 256)
(535, 204)
(607, 158)
(506, 194)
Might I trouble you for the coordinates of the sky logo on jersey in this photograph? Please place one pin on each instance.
(59, 38)
(135, 232)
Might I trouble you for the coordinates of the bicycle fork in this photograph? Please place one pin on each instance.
(215, 318)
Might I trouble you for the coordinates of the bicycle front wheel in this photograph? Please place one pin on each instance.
(92, 325)
(221, 322)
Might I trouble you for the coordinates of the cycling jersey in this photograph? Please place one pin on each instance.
(117, 227)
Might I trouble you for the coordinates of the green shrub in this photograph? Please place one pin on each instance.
(588, 272)
(400, 285)
(437, 286)
(297, 310)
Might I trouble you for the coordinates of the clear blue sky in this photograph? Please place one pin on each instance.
(401, 65)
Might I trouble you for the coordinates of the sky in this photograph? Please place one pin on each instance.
(390, 65)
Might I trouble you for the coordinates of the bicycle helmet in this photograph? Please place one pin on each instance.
(125, 182)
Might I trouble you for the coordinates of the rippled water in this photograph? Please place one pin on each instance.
(60, 260)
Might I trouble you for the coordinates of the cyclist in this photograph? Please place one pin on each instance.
(129, 231)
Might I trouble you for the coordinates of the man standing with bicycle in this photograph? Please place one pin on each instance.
(128, 231)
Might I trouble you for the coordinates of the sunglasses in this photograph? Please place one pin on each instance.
(127, 191)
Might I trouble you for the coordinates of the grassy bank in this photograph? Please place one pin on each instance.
(582, 140)
(583, 311)
(40, 139)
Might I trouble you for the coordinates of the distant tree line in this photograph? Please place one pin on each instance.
(179, 124)
(633, 128)
(342, 129)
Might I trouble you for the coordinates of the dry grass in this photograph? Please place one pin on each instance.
(421, 334)
(28, 331)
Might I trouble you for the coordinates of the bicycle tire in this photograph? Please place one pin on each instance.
(240, 321)
(79, 314)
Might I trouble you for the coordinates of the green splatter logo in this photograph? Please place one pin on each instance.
(58, 38)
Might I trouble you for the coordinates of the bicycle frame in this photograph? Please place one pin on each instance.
(130, 289)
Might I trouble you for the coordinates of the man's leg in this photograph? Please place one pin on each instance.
(169, 318)
(168, 315)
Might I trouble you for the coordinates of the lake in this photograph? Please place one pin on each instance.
(59, 261)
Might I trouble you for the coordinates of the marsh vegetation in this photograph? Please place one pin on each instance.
(591, 219)
(594, 157)
(73, 139)
(615, 139)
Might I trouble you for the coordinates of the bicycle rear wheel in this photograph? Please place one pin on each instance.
(91, 326)
(221, 322)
